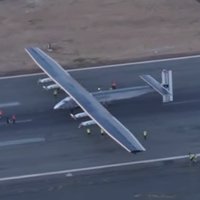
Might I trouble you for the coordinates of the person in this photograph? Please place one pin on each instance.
(192, 157)
(55, 93)
(1, 114)
(7, 120)
(145, 135)
(114, 85)
(102, 131)
(49, 47)
(13, 119)
(88, 131)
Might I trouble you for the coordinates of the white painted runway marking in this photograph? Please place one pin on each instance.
(109, 66)
(24, 121)
(69, 172)
(21, 141)
(9, 104)
(4, 121)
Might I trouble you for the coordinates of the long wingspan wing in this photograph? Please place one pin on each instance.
(86, 101)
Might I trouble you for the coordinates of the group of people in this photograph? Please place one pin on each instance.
(113, 86)
(9, 119)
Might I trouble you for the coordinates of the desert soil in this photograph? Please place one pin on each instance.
(91, 32)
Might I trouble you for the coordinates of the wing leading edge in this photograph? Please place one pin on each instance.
(86, 101)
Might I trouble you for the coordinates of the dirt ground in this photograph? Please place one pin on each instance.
(91, 32)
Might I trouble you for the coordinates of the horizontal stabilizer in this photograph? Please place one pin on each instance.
(154, 84)
(165, 88)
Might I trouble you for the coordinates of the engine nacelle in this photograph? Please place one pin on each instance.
(44, 80)
(66, 103)
(78, 115)
(87, 123)
(50, 87)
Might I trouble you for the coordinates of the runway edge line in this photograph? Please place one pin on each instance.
(70, 171)
(108, 66)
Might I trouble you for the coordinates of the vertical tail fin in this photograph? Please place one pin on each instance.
(168, 84)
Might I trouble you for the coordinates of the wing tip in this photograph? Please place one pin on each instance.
(29, 49)
(137, 151)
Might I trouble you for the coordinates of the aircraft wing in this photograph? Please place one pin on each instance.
(86, 101)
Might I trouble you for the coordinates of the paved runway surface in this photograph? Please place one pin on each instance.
(164, 181)
(45, 140)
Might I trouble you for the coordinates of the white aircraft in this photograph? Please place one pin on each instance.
(89, 102)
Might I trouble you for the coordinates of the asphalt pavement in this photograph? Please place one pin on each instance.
(178, 180)
(44, 140)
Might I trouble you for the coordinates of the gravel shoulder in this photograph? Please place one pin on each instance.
(91, 32)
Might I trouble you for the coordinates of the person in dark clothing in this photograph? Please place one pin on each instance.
(114, 85)
(13, 119)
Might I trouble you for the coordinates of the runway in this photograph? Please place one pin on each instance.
(173, 130)
(163, 181)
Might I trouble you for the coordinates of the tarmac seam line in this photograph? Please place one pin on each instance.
(21, 141)
(9, 104)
